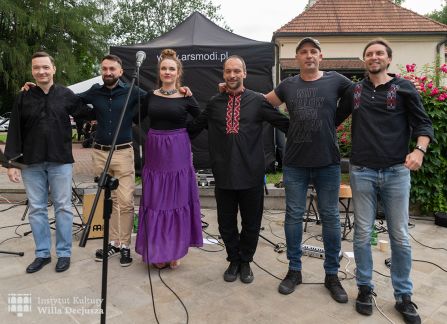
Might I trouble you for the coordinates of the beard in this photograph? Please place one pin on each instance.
(377, 70)
(109, 81)
(236, 85)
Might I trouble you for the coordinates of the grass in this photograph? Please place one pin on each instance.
(3, 136)
(274, 177)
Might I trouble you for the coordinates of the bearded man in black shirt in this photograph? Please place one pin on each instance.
(386, 112)
(39, 136)
(234, 121)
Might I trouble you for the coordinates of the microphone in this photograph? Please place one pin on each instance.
(141, 56)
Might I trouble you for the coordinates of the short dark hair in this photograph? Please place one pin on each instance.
(43, 54)
(112, 57)
(236, 57)
(379, 41)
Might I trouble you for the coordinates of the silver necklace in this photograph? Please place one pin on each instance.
(167, 92)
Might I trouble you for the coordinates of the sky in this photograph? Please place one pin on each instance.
(258, 19)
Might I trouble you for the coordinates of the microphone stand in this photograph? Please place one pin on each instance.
(107, 183)
(11, 162)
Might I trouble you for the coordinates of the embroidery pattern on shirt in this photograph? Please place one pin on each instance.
(357, 94)
(391, 100)
(233, 114)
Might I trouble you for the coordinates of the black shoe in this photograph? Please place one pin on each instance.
(246, 275)
(292, 279)
(63, 263)
(332, 283)
(111, 251)
(363, 303)
(37, 264)
(125, 259)
(408, 310)
(230, 274)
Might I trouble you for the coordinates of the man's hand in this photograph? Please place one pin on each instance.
(27, 86)
(414, 160)
(222, 87)
(14, 175)
(186, 91)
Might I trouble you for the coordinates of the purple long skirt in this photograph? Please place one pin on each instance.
(169, 218)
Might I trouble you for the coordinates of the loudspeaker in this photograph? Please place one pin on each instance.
(97, 226)
(441, 219)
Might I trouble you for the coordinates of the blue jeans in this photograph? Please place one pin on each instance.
(393, 186)
(327, 184)
(38, 179)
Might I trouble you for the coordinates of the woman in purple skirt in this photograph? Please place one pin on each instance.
(169, 218)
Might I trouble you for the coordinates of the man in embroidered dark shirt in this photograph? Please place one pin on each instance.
(386, 112)
(108, 101)
(40, 135)
(234, 121)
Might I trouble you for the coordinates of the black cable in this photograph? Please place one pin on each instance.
(384, 275)
(254, 262)
(214, 237)
(179, 299)
(271, 231)
(11, 207)
(424, 261)
(17, 235)
(345, 275)
(152, 293)
(316, 237)
(424, 245)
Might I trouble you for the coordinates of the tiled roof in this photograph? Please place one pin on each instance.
(349, 63)
(359, 17)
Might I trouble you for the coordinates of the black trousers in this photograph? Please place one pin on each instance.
(240, 246)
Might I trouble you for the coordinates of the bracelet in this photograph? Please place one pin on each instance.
(420, 148)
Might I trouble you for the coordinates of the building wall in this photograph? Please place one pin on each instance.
(406, 49)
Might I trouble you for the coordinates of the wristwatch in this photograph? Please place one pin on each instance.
(421, 148)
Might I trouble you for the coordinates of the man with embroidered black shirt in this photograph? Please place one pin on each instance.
(386, 112)
(234, 121)
(40, 135)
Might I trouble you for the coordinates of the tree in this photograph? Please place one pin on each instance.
(439, 15)
(137, 21)
(398, 2)
(73, 31)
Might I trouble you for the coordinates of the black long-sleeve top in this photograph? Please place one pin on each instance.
(168, 113)
(40, 127)
(235, 137)
(383, 120)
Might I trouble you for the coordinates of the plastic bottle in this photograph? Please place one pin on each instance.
(135, 223)
(374, 235)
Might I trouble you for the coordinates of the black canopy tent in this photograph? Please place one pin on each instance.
(202, 46)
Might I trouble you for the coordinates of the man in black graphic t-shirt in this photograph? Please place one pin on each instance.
(312, 156)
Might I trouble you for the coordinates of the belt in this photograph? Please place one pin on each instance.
(108, 147)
